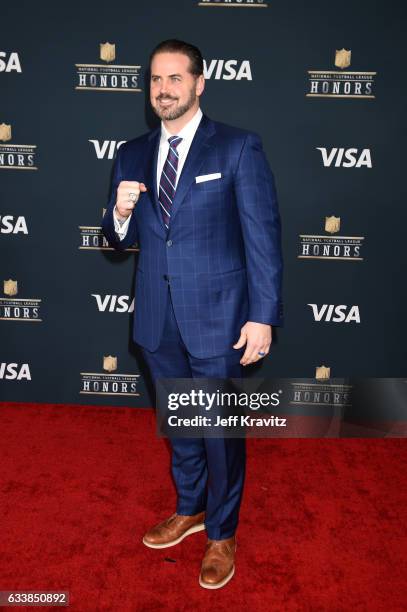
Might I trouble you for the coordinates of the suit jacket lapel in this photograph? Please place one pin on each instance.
(195, 158)
(151, 161)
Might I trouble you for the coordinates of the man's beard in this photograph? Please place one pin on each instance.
(169, 115)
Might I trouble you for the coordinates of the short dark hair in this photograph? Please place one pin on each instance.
(172, 45)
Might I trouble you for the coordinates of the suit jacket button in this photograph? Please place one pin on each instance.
(169, 243)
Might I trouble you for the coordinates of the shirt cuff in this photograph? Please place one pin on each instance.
(120, 225)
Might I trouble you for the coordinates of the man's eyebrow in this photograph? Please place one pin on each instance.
(170, 75)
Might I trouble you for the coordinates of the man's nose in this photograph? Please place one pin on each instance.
(164, 89)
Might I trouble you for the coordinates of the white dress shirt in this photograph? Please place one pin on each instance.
(187, 134)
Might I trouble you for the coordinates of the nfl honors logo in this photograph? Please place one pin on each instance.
(341, 83)
(321, 391)
(15, 156)
(109, 382)
(109, 76)
(342, 248)
(92, 239)
(18, 309)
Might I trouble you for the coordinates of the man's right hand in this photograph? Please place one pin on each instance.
(124, 204)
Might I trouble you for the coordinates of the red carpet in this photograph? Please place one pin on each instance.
(323, 522)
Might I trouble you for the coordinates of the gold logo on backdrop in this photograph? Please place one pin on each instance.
(342, 83)
(106, 383)
(322, 373)
(109, 363)
(10, 287)
(107, 52)
(107, 76)
(342, 58)
(5, 132)
(331, 246)
(332, 224)
(15, 156)
(18, 309)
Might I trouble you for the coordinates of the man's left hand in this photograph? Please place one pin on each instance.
(257, 337)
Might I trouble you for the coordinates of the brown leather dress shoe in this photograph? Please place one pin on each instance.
(173, 530)
(218, 565)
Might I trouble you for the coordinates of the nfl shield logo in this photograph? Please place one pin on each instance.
(10, 287)
(332, 224)
(342, 58)
(107, 52)
(322, 373)
(5, 132)
(109, 363)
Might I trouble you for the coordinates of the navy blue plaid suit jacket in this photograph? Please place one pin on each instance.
(222, 252)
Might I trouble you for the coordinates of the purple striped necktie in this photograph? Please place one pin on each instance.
(168, 180)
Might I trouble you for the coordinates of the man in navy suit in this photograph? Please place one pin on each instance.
(199, 198)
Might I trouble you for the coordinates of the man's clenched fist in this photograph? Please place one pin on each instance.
(128, 193)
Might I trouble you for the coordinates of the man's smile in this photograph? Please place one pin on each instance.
(166, 101)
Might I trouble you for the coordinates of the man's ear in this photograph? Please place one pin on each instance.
(200, 85)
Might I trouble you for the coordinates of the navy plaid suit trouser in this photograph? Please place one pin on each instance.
(208, 472)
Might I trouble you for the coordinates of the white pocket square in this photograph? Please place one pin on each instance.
(207, 177)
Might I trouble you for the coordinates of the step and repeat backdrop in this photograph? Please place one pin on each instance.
(321, 82)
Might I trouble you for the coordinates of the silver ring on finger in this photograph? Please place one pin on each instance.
(261, 353)
(132, 196)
